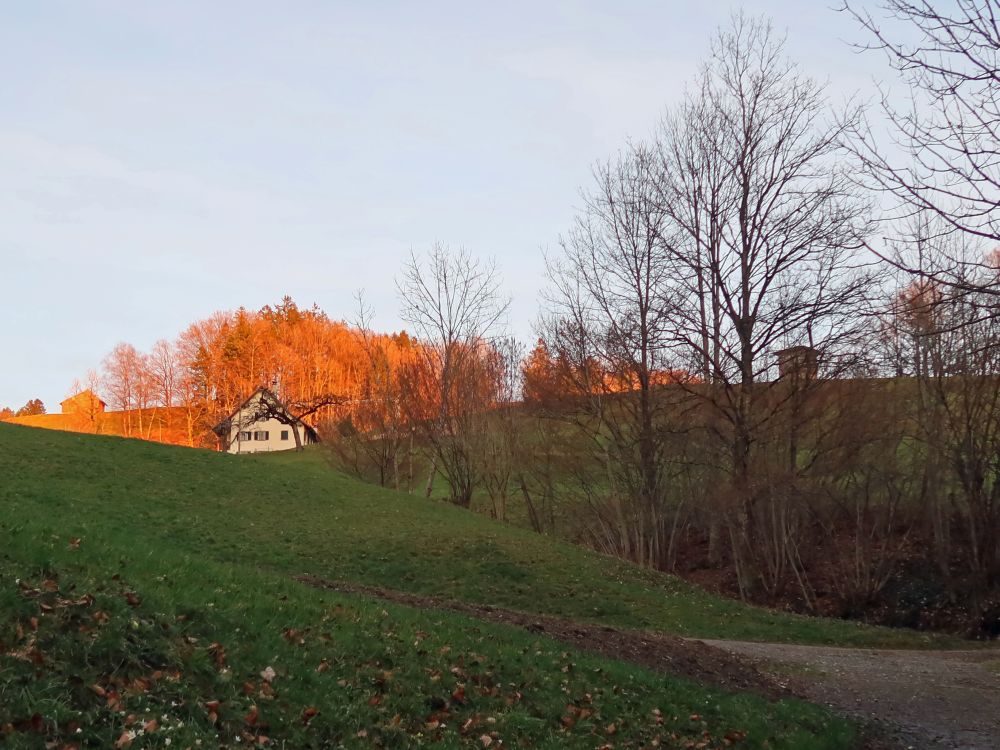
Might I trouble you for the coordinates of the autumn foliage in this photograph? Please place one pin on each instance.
(178, 390)
(550, 379)
(301, 355)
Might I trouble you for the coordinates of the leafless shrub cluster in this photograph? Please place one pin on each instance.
(739, 235)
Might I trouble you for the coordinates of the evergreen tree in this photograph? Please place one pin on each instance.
(33, 407)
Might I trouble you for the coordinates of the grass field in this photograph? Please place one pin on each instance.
(146, 589)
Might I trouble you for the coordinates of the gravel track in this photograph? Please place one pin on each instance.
(924, 699)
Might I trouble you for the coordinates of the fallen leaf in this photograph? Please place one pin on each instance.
(218, 654)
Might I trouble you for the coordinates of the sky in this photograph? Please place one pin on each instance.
(161, 161)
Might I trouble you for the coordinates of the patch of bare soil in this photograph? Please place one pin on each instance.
(662, 653)
(926, 700)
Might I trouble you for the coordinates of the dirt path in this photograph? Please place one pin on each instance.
(927, 699)
(661, 653)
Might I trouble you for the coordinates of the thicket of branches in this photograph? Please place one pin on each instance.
(738, 232)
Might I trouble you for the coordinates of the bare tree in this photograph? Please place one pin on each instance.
(165, 368)
(609, 305)
(956, 360)
(146, 395)
(122, 374)
(763, 242)
(374, 433)
(500, 454)
(291, 414)
(948, 55)
(455, 306)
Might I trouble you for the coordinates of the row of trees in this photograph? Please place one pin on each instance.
(735, 233)
(744, 228)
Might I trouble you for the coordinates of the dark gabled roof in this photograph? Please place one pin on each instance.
(223, 427)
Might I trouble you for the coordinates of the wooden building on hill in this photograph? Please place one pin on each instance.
(84, 402)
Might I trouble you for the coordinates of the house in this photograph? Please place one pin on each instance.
(85, 402)
(262, 424)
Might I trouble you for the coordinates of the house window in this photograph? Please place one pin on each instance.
(261, 435)
(284, 434)
(244, 436)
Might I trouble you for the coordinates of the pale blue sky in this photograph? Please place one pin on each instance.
(162, 160)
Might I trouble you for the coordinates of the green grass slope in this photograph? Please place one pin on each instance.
(147, 600)
(291, 513)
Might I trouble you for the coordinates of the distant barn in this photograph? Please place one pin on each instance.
(84, 402)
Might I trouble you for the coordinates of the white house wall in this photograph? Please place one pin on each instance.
(274, 428)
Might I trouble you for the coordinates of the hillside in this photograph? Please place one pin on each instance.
(151, 589)
(293, 514)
